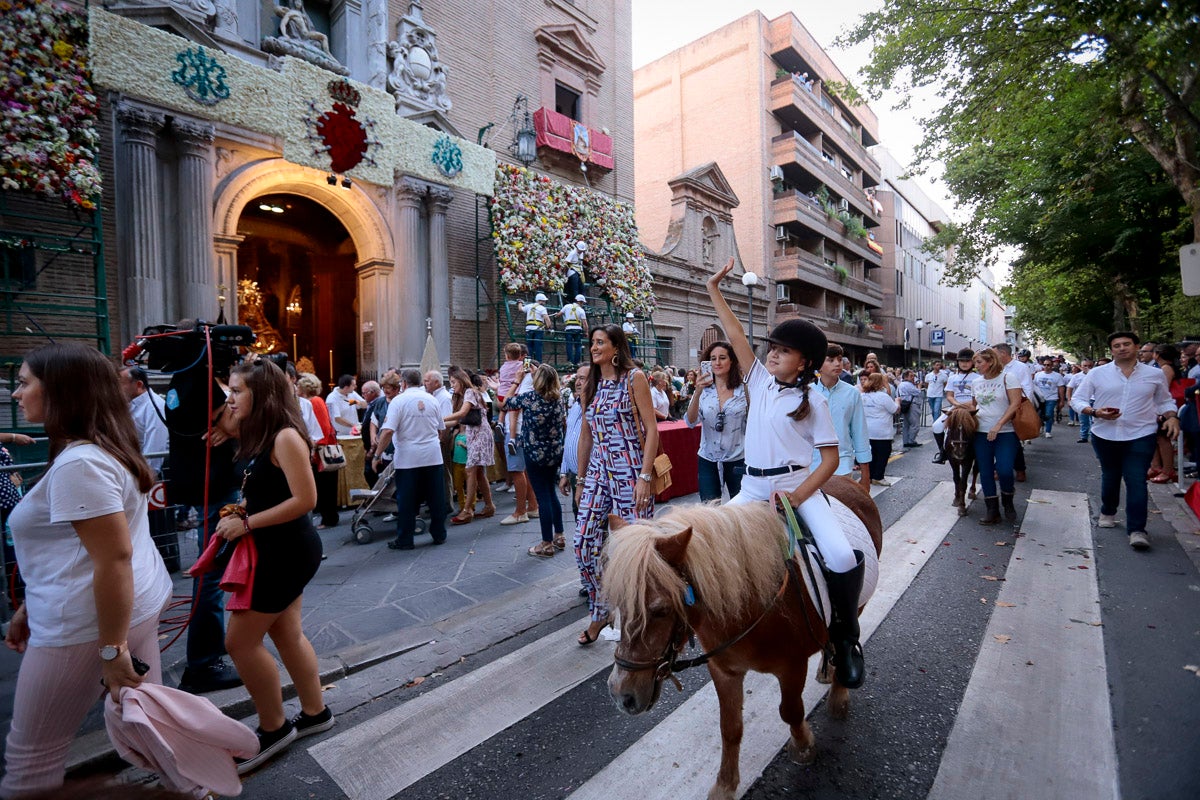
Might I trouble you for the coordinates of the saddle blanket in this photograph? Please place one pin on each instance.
(860, 539)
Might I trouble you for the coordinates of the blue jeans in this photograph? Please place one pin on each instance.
(533, 340)
(710, 478)
(574, 345)
(1128, 461)
(1085, 426)
(543, 481)
(935, 406)
(1048, 407)
(206, 631)
(414, 485)
(999, 457)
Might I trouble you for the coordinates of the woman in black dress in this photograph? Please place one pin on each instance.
(278, 492)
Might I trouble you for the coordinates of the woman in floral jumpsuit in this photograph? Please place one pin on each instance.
(617, 479)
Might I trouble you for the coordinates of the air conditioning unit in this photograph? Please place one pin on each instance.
(777, 174)
(844, 204)
(781, 233)
(783, 293)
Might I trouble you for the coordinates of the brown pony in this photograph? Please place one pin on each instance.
(961, 425)
(719, 572)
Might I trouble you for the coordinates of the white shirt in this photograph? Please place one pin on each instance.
(1045, 385)
(574, 317)
(662, 403)
(340, 405)
(960, 384)
(536, 317)
(772, 438)
(151, 430)
(991, 395)
(879, 408)
(1023, 375)
(445, 401)
(630, 329)
(1194, 373)
(936, 383)
(310, 420)
(415, 416)
(1141, 398)
(85, 482)
(1074, 381)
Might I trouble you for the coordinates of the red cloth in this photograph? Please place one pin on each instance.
(557, 131)
(321, 412)
(1192, 496)
(238, 579)
(682, 444)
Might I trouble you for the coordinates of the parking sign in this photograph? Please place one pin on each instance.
(937, 337)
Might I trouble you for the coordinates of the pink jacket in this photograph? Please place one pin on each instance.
(182, 737)
(238, 579)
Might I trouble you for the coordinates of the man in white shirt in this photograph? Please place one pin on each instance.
(574, 324)
(1085, 423)
(631, 333)
(1050, 388)
(436, 387)
(935, 388)
(537, 322)
(1126, 399)
(148, 412)
(413, 423)
(343, 403)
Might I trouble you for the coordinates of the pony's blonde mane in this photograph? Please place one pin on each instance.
(962, 418)
(734, 559)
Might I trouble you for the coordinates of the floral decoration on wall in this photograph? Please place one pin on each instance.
(48, 111)
(535, 220)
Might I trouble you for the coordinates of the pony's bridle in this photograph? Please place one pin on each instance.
(669, 662)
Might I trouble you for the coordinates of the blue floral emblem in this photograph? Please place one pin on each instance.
(447, 155)
(200, 76)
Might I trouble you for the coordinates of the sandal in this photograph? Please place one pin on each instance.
(489, 511)
(560, 542)
(542, 550)
(586, 638)
(461, 520)
(1164, 477)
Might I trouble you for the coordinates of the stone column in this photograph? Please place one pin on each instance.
(226, 249)
(379, 338)
(411, 278)
(376, 14)
(197, 275)
(139, 228)
(439, 270)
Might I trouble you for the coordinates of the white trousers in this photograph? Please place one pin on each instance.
(939, 426)
(831, 540)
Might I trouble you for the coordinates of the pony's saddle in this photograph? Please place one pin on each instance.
(811, 566)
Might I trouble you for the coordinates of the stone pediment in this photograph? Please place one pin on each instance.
(568, 43)
(434, 119)
(709, 183)
(166, 16)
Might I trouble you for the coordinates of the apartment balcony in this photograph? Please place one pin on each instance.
(798, 264)
(800, 108)
(796, 207)
(560, 133)
(791, 150)
(836, 330)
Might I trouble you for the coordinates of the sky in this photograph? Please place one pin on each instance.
(660, 26)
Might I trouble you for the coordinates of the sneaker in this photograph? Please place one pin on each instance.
(388, 518)
(1081, 440)
(1107, 521)
(1139, 540)
(513, 519)
(880, 483)
(212, 678)
(307, 726)
(1048, 435)
(269, 745)
(511, 489)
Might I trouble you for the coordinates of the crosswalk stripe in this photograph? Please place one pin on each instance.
(878, 490)
(679, 757)
(382, 756)
(1048, 650)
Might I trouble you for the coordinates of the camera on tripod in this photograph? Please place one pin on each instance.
(172, 348)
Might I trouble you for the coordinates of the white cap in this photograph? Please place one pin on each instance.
(580, 298)
(629, 315)
(541, 298)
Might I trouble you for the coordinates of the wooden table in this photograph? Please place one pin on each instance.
(351, 477)
(682, 444)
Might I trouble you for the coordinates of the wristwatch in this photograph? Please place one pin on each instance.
(646, 476)
(110, 652)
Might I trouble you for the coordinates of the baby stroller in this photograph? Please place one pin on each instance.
(376, 502)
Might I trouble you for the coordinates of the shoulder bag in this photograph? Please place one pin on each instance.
(661, 467)
(328, 455)
(1026, 422)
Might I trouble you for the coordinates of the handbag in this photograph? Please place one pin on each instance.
(473, 418)
(330, 458)
(906, 406)
(661, 466)
(1027, 421)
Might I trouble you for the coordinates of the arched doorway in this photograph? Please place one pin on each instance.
(297, 286)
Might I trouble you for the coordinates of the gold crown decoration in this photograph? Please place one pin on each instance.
(343, 92)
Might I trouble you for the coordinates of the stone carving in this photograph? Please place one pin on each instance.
(418, 78)
(299, 39)
(198, 11)
(227, 159)
(139, 123)
(194, 136)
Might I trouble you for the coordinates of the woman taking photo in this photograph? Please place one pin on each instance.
(719, 407)
(880, 409)
(997, 395)
(786, 423)
(309, 387)
(278, 492)
(543, 425)
(617, 473)
(481, 447)
(95, 584)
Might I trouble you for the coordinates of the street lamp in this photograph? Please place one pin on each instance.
(524, 143)
(750, 280)
(920, 374)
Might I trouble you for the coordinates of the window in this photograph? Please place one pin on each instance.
(899, 283)
(566, 101)
(961, 310)
(18, 266)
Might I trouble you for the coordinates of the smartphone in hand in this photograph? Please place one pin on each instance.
(706, 367)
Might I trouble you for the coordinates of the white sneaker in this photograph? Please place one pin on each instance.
(513, 519)
(512, 489)
(1139, 540)
(1107, 521)
(1048, 435)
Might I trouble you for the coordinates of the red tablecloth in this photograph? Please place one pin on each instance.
(682, 444)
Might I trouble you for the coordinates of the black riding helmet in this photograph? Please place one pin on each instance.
(799, 334)
(966, 354)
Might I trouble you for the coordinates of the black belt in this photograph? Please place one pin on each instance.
(766, 473)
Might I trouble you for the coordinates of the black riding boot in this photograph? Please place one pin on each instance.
(993, 511)
(844, 589)
(940, 458)
(1010, 510)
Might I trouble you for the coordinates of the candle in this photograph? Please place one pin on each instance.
(295, 354)
(332, 379)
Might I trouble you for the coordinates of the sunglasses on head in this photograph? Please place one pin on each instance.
(720, 423)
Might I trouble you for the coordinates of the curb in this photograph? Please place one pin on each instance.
(405, 654)
(1178, 514)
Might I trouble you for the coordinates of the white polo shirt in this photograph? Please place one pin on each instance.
(415, 417)
(772, 438)
(1015, 367)
(340, 405)
(1141, 398)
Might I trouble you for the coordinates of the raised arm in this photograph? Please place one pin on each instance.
(729, 321)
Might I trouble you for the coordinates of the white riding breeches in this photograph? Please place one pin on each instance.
(831, 540)
(940, 425)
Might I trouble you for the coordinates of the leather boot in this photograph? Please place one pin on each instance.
(844, 589)
(940, 458)
(1010, 510)
(992, 517)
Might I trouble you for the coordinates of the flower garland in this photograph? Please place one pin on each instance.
(534, 222)
(48, 111)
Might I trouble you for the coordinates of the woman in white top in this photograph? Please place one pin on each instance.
(660, 395)
(880, 409)
(997, 395)
(786, 422)
(95, 584)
